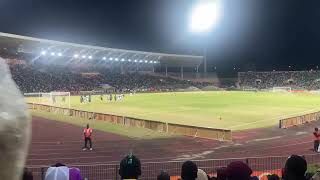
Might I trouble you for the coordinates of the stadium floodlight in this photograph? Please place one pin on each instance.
(204, 16)
(151, 62)
(43, 53)
(135, 60)
(84, 56)
(140, 61)
(122, 59)
(53, 54)
(104, 58)
(129, 60)
(76, 56)
(59, 54)
(146, 61)
(90, 57)
(116, 59)
(111, 59)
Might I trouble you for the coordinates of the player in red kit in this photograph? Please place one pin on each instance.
(87, 132)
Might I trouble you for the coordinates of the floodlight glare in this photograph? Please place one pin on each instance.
(116, 59)
(84, 56)
(43, 52)
(204, 16)
(104, 58)
(146, 61)
(76, 56)
(90, 57)
(122, 59)
(53, 54)
(140, 61)
(135, 60)
(111, 59)
(129, 60)
(59, 54)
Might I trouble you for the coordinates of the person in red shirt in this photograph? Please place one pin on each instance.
(87, 132)
(316, 139)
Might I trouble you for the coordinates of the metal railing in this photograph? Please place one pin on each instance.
(150, 170)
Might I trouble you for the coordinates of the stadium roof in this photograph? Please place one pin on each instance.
(36, 46)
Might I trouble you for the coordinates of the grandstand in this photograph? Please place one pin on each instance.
(162, 129)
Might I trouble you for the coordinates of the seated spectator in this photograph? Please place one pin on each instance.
(57, 172)
(238, 171)
(201, 175)
(130, 167)
(273, 177)
(163, 176)
(74, 174)
(27, 175)
(189, 171)
(295, 168)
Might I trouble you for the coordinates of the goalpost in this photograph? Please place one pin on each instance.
(60, 99)
(281, 89)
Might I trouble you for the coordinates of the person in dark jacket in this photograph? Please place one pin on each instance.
(130, 167)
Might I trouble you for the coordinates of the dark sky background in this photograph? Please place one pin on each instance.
(251, 34)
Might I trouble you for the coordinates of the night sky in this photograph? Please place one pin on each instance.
(251, 34)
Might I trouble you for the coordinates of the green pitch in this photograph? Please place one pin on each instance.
(227, 110)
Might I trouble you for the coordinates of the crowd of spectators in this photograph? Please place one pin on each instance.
(295, 168)
(308, 80)
(30, 79)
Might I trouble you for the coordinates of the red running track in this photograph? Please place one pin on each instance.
(54, 141)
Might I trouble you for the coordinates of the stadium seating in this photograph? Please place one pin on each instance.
(308, 80)
(32, 79)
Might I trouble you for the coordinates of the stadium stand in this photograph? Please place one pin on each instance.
(306, 80)
(31, 79)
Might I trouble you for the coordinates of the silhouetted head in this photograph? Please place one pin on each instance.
(316, 129)
(87, 125)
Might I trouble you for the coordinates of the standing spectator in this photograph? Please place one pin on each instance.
(189, 171)
(295, 168)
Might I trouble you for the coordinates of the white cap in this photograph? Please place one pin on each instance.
(57, 173)
(201, 175)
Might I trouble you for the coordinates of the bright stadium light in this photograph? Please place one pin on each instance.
(204, 15)
(43, 53)
(129, 60)
(146, 61)
(135, 60)
(84, 56)
(53, 54)
(111, 59)
(104, 58)
(76, 56)
(122, 59)
(60, 54)
(90, 57)
(151, 62)
(116, 59)
(140, 61)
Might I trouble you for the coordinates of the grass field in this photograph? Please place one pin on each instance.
(238, 110)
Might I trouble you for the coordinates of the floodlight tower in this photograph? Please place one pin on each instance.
(205, 15)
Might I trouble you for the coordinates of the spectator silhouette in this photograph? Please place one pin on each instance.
(130, 167)
(189, 171)
(295, 168)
